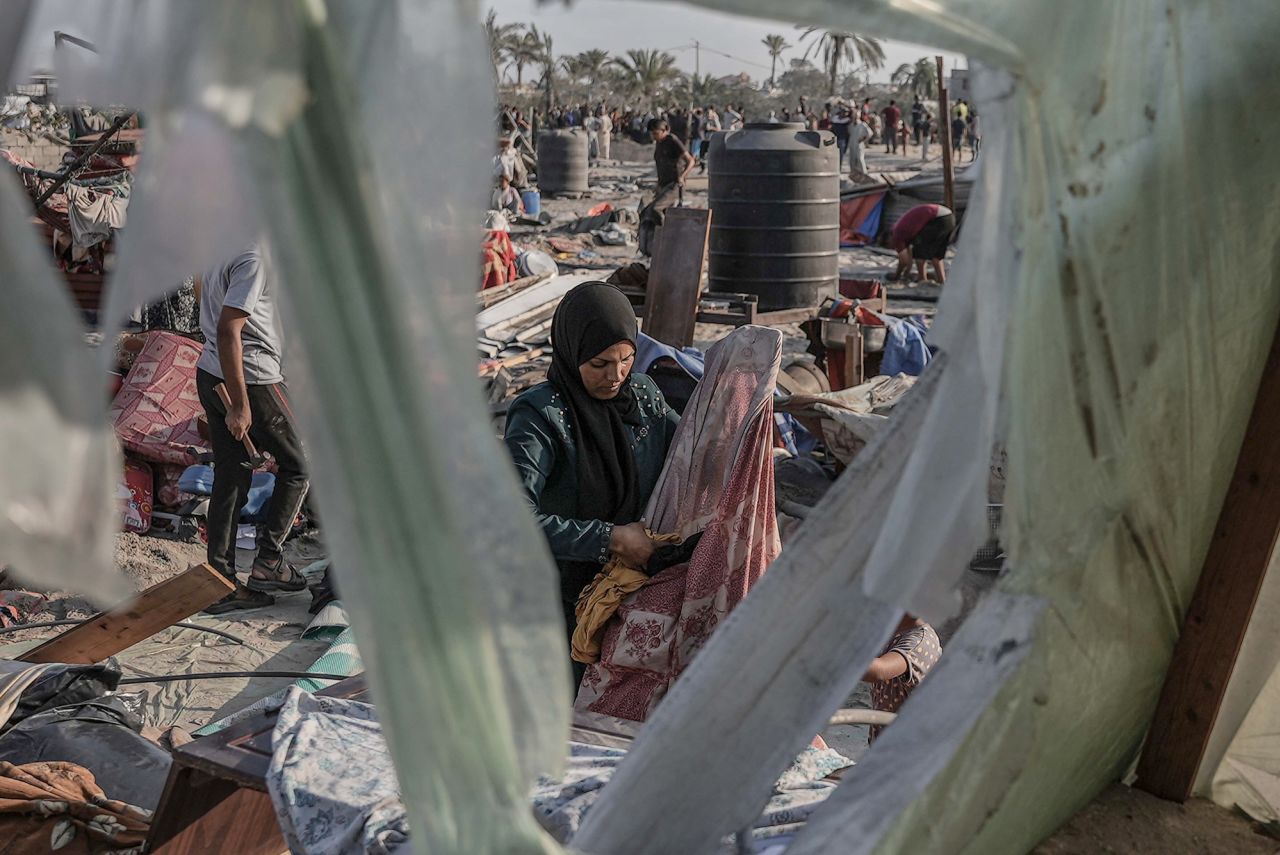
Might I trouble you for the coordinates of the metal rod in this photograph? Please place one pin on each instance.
(79, 162)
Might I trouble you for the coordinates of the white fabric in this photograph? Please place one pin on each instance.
(93, 214)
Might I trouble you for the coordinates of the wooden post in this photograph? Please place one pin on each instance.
(944, 125)
(1222, 604)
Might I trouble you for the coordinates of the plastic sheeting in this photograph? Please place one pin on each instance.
(56, 451)
(297, 117)
(1108, 247)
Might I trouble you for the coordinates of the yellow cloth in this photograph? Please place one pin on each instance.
(599, 601)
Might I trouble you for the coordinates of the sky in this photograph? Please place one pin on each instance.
(616, 25)
(730, 43)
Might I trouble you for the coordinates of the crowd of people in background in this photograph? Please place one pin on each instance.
(855, 127)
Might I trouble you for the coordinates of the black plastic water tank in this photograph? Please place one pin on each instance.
(562, 161)
(775, 214)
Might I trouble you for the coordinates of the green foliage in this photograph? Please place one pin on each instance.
(839, 47)
(918, 78)
(648, 72)
(776, 45)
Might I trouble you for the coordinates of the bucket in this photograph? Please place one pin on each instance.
(532, 202)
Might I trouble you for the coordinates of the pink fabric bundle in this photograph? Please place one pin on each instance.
(156, 411)
(718, 479)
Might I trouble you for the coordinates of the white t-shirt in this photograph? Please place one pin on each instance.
(243, 284)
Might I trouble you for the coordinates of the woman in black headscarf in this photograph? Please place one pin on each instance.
(590, 442)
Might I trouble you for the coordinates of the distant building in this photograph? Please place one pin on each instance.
(741, 79)
(958, 85)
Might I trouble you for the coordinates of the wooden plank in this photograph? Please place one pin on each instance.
(1230, 580)
(675, 276)
(200, 814)
(156, 608)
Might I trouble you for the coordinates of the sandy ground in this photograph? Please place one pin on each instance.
(1125, 820)
(271, 637)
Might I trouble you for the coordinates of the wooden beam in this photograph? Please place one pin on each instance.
(675, 276)
(156, 608)
(1223, 602)
(944, 137)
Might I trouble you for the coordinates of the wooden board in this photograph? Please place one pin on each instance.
(675, 276)
(200, 814)
(1222, 604)
(156, 608)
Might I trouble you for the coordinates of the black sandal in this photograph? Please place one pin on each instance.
(294, 582)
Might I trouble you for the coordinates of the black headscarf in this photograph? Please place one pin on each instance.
(590, 319)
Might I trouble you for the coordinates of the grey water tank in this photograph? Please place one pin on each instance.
(562, 161)
(775, 214)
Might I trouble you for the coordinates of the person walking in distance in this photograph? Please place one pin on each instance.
(917, 119)
(673, 163)
(840, 126)
(958, 127)
(242, 354)
(859, 137)
(892, 116)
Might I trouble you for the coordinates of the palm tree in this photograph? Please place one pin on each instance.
(543, 55)
(501, 38)
(921, 77)
(648, 71)
(837, 46)
(590, 63)
(698, 89)
(776, 45)
(526, 50)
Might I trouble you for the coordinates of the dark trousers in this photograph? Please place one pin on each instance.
(272, 431)
(653, 215)
(842, 145)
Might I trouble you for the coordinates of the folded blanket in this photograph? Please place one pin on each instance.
(58, 807)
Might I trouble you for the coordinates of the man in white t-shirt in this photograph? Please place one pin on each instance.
(242, 352)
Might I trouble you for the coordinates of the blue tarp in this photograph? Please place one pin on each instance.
(649, 350)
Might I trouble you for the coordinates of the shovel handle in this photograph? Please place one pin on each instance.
(221, 389)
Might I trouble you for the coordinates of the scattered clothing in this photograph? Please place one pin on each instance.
(919, 645)
(718, 480)
(905, 350)
(94, 213)
(599, 601)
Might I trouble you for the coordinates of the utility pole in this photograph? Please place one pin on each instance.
(550, 69)
(944, 123)
(697, 58)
